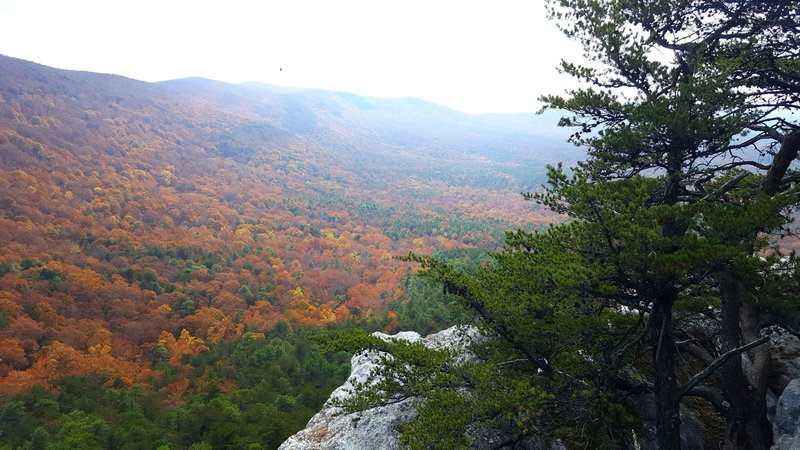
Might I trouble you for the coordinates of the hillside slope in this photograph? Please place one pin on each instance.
(132, 211)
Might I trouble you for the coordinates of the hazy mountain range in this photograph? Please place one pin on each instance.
(380, 136)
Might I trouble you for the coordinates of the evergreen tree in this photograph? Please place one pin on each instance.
(687, 117)
(722, 102)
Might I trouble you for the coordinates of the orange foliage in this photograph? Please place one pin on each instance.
(58, 360)
(175, 391)
(12, 356)
(211, 324)
(124, 226)
(259, 317)
(186, 344)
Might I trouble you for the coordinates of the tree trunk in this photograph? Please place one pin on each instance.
(667, 402)
(790, 147)
(757, 426)
(731, 375)
(747, 425)
(665, 382)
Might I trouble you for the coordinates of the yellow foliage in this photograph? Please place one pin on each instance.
(189, 339)
(99, 349)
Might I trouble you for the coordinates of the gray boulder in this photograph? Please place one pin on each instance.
(786, 424)
(785, 352)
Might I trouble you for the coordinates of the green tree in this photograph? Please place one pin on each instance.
(720, 101)
(16, 425)
(685, 117)
(81, 430)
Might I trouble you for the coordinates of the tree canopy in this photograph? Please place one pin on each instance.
(687, 114)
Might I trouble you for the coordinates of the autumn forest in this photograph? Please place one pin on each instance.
(172, 254)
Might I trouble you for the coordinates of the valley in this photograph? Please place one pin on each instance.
(145, 226)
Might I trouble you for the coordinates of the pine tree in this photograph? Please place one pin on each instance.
(723, 101)
(686, 115)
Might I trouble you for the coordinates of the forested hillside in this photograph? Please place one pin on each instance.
(145, 227)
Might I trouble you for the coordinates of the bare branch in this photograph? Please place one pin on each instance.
(513, 361)
(752, 141)
(785, 325)
(770, 131)
(708, 371)
(720, 404)
(726, 187)
(734, 164)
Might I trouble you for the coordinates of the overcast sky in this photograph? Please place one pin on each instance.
(473, 56)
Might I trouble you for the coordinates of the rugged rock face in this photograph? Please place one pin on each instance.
(376, 428)
(785, 351)
(786, 425)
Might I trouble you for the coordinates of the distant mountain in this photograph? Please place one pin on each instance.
(373, 127)
(398, 130)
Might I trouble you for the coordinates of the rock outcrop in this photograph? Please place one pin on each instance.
(786, 424)
(376, 428)
(785, 352)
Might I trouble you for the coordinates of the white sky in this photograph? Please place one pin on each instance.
(473, 56)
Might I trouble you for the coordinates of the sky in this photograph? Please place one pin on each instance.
(469, 55)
